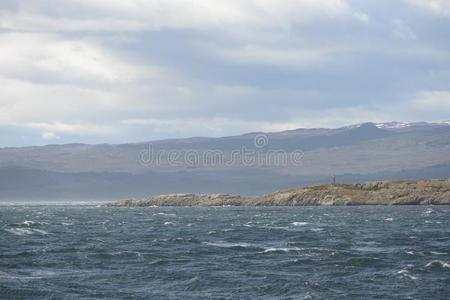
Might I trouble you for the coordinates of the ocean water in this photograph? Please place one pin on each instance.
(87, 252)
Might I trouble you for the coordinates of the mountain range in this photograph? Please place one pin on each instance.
(248, 164)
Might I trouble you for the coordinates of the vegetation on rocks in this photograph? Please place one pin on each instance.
(370, 193)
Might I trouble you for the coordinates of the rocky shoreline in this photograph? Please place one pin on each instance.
(423, 192)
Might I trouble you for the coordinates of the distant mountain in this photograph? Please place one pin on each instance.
(402, 126)
(251, 163)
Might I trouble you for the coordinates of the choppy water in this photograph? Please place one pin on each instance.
(81, 252)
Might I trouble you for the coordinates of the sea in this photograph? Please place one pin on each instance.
(93, 252)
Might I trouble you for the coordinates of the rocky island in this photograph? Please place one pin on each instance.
(423, 192)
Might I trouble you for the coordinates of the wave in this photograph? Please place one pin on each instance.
(41, 231)
(165, 214)
(233, 245)
(438, 264)
(299, 223)
(264, 249)
(407, 274)
(126, 253)
(317, 229)
(25, 231)
(112, 254)
(19, 231)
(428, 212)
(438, 253)
(27, 223)
(281, 249)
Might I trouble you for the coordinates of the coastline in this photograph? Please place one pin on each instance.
(422, 192)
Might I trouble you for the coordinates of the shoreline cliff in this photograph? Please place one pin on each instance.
(423, 192)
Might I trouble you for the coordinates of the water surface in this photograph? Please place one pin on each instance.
(86, 252)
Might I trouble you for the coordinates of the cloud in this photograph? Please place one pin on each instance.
(439, 7)
(114, 71)
(60, 127)
(363, 17)
(251, 54)
(401, 30)
(433, 101)
(111, 15)
(28, 54)
(24, 101)
(50, 136)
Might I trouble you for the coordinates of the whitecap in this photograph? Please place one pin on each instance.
(438, 264)
(367, 249)
(277, 227)
(438, 253)
(25, 231)
(231, 245)
(299, 223)
(428, 211)
(407, 274)
(121, 253)
(169, 223)
(165, 214)
(316, 229)
(389, 219)
(28, 223)
(281, 249)
(19, 231)
(40, 231)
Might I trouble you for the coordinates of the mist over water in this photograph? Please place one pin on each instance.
(87, 252)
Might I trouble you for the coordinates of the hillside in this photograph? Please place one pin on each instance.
(369, 151)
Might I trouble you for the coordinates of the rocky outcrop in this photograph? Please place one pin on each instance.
(370, 193)
(435, 192)
(185, 200)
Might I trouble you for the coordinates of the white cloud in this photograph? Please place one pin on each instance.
(24, 101)
(26, 54)
(363, 17)
(439, 7)
(46, 78)
(433, 101)
(49, 129)
(401, 30)
(219, 126)
(50, 136)
(275, 56)
(137, 14)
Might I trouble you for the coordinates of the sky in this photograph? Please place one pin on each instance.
(114, 71)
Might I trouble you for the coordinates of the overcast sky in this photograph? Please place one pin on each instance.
(115, 71)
